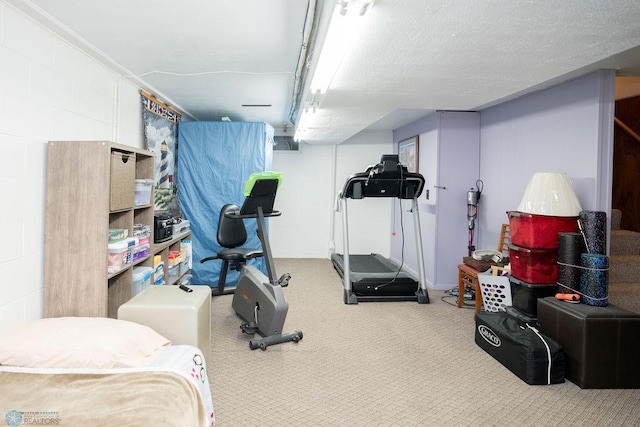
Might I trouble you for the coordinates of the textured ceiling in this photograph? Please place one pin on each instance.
(210, 57)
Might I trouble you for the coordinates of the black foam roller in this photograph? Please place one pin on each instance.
(570, 247)
(594, 226)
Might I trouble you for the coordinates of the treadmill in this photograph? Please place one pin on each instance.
(373, 277)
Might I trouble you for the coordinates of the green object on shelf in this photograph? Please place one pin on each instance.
(261, 175)
(117, 234)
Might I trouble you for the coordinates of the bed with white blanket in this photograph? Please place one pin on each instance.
(100, 372)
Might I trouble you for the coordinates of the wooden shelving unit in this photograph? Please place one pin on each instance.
(164, 248)
(90, 189)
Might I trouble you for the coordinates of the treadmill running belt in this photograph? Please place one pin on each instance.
(367, 264)
(374, 275)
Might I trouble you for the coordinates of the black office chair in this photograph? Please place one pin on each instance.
(231, 235)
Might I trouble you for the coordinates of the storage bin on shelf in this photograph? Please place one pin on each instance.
(122, 176)
(117, 256)
(181, 227)
(143, 192)
(143, 233)
(132, 242)
(184, 268)
(173, 272)
(539, 231)
(185, 249)
(117, 234)
(174, 258)
(532, 265)
(141, 279)
(140, 251)
(118, 250)
(158, 270)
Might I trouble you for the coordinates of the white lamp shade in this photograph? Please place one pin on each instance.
(550, 194)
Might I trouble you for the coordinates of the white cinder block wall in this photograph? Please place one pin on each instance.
(369, 219)
(312, 177)
(49, 90)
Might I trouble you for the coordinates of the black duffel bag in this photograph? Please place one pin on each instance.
(533, 357)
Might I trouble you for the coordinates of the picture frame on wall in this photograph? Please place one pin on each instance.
(408, 153)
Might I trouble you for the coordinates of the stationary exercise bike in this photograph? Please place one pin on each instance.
(257, 299)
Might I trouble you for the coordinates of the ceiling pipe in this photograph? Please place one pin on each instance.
(307, 33)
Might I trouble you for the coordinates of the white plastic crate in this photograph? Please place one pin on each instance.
(496, 291)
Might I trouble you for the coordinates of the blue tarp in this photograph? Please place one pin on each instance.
(215, 160)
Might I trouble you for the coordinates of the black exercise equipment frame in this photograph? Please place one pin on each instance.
(389, 179)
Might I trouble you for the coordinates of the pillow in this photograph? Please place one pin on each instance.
(80, 342)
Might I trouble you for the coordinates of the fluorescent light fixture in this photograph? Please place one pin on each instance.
(346, 20)
(345, 23)
(299, 135)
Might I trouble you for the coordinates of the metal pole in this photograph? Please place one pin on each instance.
(423, 296)
(345, 246)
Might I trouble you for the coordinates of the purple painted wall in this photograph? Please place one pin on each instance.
(567, 128)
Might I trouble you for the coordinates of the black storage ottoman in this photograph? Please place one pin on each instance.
(601, 344)
(534, 358)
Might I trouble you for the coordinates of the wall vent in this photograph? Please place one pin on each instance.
(285, 143)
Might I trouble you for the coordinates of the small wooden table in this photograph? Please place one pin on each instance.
(468, 276)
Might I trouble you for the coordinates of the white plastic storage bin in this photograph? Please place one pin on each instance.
(184, 268)
(141, 279)
(143, 192)
(158, 274)
(174, 273)
(118, 256)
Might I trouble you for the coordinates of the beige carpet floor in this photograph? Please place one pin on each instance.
(386, 364)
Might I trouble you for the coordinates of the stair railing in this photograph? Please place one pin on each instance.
(627, 129)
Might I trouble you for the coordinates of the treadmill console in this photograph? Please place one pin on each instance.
(390, 165)
(389, 178)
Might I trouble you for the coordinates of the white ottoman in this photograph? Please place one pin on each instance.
(182, 317)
